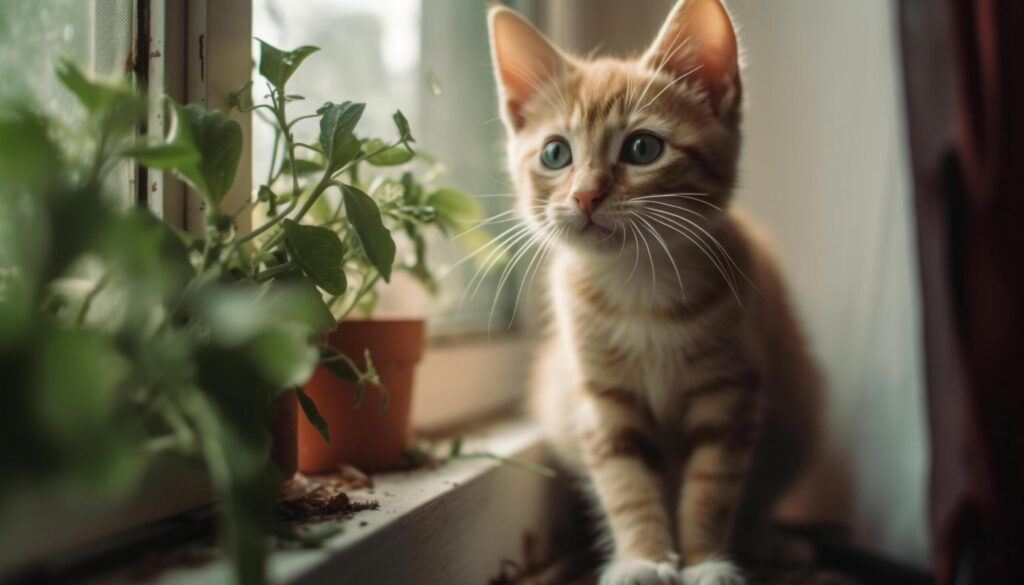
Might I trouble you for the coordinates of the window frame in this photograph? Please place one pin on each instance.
(196, 51)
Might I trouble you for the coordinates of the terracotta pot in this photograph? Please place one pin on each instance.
(366, 436)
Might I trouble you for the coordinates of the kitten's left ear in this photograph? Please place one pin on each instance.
(698, 39)
(525, 62)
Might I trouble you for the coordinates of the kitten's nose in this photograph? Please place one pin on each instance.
(587, 200)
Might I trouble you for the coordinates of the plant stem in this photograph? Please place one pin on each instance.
(363, 289)
(273, 271)
(340, 357)
(273, 157)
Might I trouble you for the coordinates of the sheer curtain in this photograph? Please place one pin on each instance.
(825, 168)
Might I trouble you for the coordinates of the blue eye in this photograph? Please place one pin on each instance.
(556, 154)
(642, 149)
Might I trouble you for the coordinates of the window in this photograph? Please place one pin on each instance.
(393, 54)
(34, 34)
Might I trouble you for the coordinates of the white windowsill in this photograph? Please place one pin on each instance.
(457, 383)
(454, 524)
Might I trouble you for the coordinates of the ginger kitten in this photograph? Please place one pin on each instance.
(677, 381)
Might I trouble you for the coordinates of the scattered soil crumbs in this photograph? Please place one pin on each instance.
(321, 506)
(323, 497)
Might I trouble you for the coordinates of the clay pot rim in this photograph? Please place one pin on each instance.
(389, 340)
(384, 320)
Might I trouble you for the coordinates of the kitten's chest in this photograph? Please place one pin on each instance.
(637, 346)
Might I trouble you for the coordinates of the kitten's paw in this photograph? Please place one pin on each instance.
(640, 572)
(713, 573)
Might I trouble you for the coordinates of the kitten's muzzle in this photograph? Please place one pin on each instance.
(588, 200)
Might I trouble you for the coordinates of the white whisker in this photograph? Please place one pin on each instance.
(496, 241)
(495, 256)
(542, 251)
(507, 272)
(484, 222)
(694, 238)
(636, 239)
(664, 246)
(733, 266)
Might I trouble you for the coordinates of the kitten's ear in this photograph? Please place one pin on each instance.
(698, 37)
(524, 61)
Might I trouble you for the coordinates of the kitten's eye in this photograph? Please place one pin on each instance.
(642, 149)
(556, 154)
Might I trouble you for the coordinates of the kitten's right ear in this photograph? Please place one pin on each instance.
(524, 62)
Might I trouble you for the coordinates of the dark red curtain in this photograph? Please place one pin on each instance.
(964, 81)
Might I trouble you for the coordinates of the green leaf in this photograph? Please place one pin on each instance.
(413, 190)
(178, 151)
(364, 215)
(219, 141)
(455, 206)
(337, 123)
(320, 252)
(169, 155)
(241, 99)
(419, 269)
(202, 146)
(305, 166)
(396, 155)
(277, 66)
(405, 135)
(95, 96)
(342, 370)
(335, 362)
(36, 153)
(312, 414)
(282, 354)
(304, 292)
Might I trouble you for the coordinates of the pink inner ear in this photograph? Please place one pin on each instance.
(525, 60)
(705, 27)
(715, 40)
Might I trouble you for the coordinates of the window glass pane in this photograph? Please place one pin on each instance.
(383, 53)
(35, 34)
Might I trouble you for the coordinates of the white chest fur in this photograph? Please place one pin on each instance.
(627, 333)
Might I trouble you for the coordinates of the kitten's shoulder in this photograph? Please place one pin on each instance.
(760, 252)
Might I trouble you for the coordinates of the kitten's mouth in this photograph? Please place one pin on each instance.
(595, 229)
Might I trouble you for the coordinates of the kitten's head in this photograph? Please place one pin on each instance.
(608, 152)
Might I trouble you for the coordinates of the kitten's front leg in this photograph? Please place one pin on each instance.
(720, 433)
(623, 464)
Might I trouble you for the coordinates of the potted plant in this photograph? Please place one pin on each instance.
(125, 341)
(372, 203)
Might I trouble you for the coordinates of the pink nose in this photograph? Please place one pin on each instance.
(587, 200)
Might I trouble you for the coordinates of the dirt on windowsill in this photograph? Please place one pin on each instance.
(317, 498)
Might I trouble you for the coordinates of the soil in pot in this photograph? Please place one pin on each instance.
(366, 436)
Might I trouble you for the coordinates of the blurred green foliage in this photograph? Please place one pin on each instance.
(123, 339)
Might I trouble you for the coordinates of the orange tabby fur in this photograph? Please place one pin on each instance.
(677, 380)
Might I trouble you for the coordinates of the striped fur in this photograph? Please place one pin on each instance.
(676, 373)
